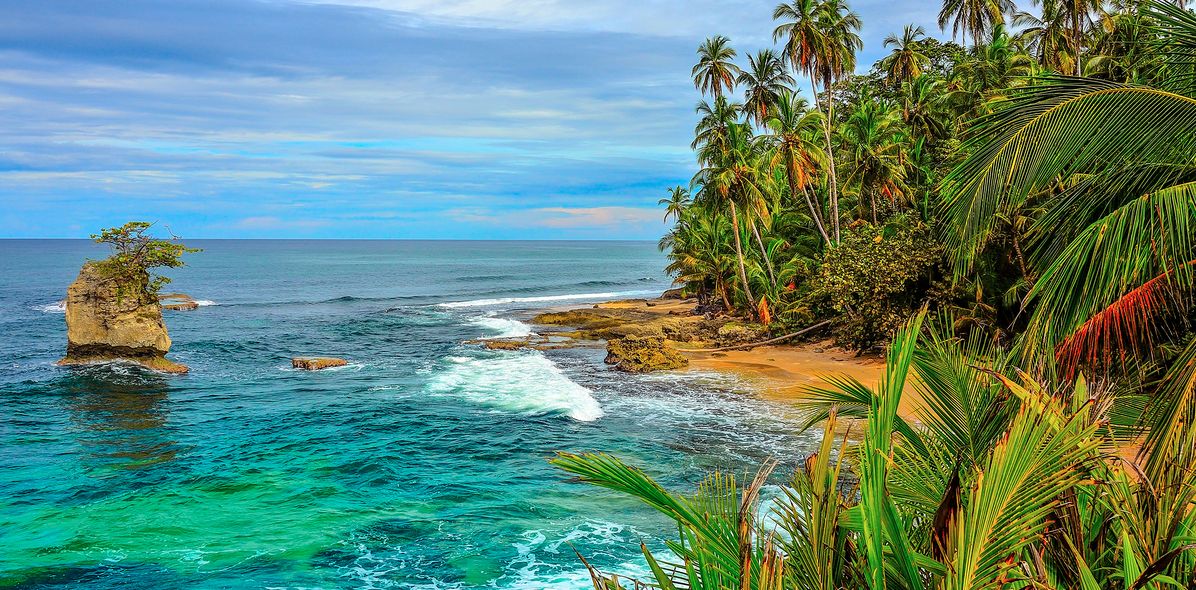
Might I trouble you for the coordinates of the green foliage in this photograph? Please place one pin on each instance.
(876, 278)
(1002, 483)
(135, 254)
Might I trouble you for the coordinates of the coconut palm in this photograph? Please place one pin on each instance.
(763, 82)
(992, 69)
(676, 203)
(907, 60)
(1109, 169)
(1078, 14)
(791, 137)
(713, 122)
(729, 179)
(715, 72)
(1046, 37)
(821, 39)
(974, 17)
(924, 109)
(874, 147)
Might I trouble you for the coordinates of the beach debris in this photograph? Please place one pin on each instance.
(643, 354)
(315, 363)
(111, 320)
(178, 302)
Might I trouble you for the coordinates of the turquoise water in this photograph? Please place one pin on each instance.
(420, 465)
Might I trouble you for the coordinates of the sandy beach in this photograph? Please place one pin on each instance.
(778, 372)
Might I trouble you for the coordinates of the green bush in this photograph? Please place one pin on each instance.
(876, 277)
(135, 254)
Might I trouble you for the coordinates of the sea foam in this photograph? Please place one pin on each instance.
(505, 327)
(522, 382)
(544, 298)
(56, 307)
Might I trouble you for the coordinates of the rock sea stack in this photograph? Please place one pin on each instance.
(110, 320)
(315, 363)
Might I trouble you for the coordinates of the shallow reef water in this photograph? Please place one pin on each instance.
(421, 464)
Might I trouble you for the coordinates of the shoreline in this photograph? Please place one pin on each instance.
(775, 372)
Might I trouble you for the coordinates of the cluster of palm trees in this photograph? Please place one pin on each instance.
(1049, 443)
(783, 176)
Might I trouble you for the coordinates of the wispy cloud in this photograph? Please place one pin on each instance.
(377, 118)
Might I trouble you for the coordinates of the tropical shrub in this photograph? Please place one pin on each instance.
(135, 254)
(1004, 480)
(876, 278)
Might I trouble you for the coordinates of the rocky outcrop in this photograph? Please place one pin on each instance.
(178, 302)
(643, 354)
(315, 363)
(109, 320)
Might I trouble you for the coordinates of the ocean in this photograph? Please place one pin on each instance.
(421, 464)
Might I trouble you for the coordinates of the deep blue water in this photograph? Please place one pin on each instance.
(420, 465)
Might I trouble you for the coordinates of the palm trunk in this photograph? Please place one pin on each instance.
(1075, 36)
(830, 158)
(763, 251)
(872, 197)
(722, 291)
(1021, 258)
(791, 174)
(747, 291)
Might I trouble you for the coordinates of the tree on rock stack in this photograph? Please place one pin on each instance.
(112, 308)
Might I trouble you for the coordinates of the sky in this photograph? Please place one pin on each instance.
(429, 119)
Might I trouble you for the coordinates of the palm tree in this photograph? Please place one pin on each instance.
(993, 69)
(821, 39)
(713, 122)
(729, 178)
(875, 149)
(676, 203)
(1046, 37)
(975, 17)
(793, 126)
(715, 72)
(923, 108)
(1113, 244)
(907, 60)
(763, 82)
(1079, 15)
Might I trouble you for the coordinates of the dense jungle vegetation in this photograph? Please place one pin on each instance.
(1013, 220)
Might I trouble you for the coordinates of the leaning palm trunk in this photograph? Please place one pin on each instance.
(747, 291)
(830, 155)
(791, 175)
(763, 251)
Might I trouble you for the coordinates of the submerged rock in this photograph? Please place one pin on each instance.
(315, 363)
(110, 320)
(643, 354)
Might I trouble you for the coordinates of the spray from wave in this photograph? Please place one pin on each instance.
(56, 307)
(523, 382)
(502, 327)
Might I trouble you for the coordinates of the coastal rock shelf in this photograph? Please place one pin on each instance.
(110, 321)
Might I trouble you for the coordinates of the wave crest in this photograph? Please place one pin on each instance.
(525, 383)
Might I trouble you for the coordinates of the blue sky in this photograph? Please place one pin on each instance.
(361, 118)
